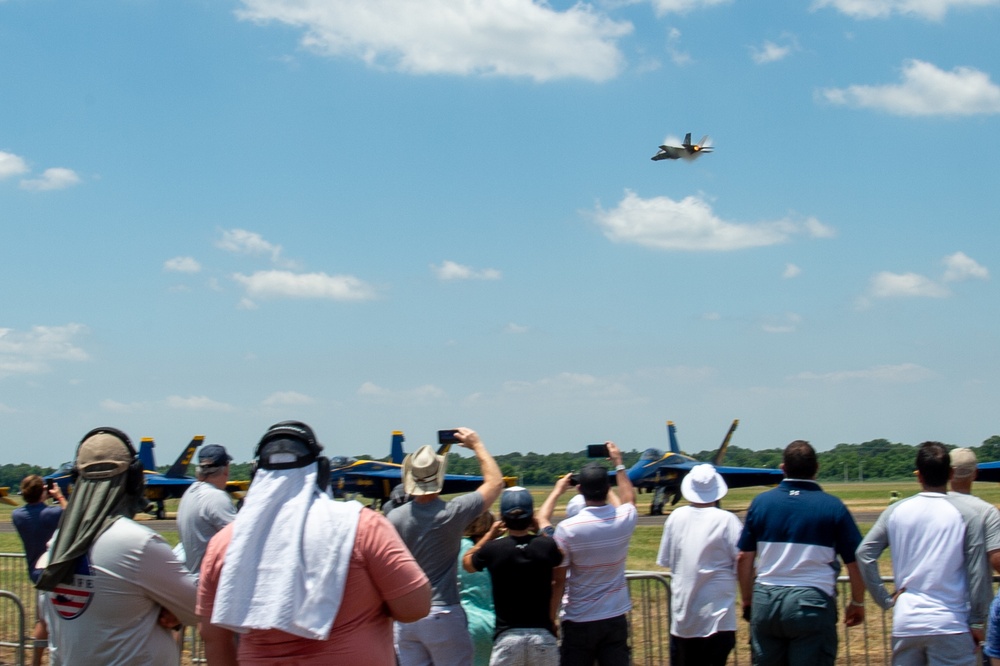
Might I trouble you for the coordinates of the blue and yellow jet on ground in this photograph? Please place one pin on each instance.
(159, 486)
(661, 473)
(374, 479)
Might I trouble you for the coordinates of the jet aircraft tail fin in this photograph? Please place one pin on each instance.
(721, 453)
(179, 469)
(687, 140)
(146, 447)
(672, 434)
(397, 447)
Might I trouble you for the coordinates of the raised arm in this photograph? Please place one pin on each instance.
(544, 514)
(492, 477)
(626, 492)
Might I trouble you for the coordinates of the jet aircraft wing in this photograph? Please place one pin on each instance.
(989, 472)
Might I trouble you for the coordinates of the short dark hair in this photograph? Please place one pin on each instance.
(799, 460)
(594, 484)
(934, 464)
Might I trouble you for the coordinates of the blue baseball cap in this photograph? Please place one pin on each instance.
(516, 503)
(213, 455)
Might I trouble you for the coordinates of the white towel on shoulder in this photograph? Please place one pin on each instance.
(286, 566)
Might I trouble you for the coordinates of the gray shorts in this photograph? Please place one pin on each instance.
(934, 650)
(525, 647)
(440, 639)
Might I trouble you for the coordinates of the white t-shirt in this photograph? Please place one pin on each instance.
(699, 547)
(595, 546)
(203, 511)
(927, 537)
(108, 614)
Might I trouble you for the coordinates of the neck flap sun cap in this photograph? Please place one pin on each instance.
(102, 456)
(703, 485)
(423, 472)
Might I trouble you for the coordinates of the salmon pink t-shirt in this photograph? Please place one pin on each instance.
(381, 569)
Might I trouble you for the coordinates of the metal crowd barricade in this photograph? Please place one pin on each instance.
(868, 644)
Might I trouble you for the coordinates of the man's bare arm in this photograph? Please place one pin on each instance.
(854, 613)
(626, 493)
(558, 588)
(745, 574)
(492, 476)
(411, 606)
(220, 644)
(544, 515)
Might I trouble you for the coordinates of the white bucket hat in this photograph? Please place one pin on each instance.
(703, 485)
(423, 472)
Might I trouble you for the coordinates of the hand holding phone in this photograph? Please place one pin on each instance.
(448, 437)
(597, 451)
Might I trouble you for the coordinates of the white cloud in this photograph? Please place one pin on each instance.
(241, 241)
(691, 225)
(198, 403)
(515, 329)
(11, 165)
(925, 90)
(449, 270)
(287, 398)
(33, 351)
(285, 284)
(513, 38)
(933, 10)
(960, 266)
(785, 324)
(899, 285)
(769, 52)
(56, 178)
(182, 265)
(117, 407)
(6, 409)
(684, 6)
(791, 271)
(418, 395)
(679, 57)
(903, 373)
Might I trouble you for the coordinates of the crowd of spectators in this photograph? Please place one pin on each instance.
(296, 577)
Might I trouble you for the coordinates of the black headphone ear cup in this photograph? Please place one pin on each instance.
(323, 473)
(136, 477)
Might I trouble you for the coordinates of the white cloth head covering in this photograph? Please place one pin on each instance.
(574, 505)
(286, 566)
(703, 485)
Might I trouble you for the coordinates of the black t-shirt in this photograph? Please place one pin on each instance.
(521, 571)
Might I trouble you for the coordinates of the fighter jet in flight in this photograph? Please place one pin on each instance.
(686, 150)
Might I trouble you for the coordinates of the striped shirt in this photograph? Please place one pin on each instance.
(595, 546)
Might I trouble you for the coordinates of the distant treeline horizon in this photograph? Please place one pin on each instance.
(875, 460)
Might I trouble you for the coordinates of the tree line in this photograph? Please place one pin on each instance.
(878, 459)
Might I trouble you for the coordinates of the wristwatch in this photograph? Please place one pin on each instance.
(620, 468)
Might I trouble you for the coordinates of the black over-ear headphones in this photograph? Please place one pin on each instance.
(299, 432)
(135, 476)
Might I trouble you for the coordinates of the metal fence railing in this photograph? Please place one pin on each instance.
(868, 644)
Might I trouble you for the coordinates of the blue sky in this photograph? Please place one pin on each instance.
(377, 215)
